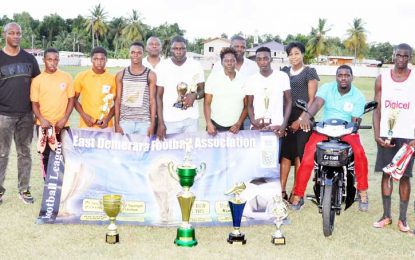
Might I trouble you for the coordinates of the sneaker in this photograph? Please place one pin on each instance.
(403, 226)
(363, 200)
(384, 221)
(297, 203)
(42, 140)
(26, 197)
(1, 197)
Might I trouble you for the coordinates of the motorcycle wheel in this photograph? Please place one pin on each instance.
(328, 212)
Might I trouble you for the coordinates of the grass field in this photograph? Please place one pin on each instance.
(353, 237)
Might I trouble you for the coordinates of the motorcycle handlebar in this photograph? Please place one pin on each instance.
(365, 127)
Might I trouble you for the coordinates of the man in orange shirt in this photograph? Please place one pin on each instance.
(97, 90)
(52, 95)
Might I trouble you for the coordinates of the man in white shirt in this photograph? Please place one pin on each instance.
(178, 70)
(269, 96)
(153, 48)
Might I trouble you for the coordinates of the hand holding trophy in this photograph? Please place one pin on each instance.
(112, 206)
(393, 116)
(182, 89)
(108, 102)
(185, 174)
(280, 212)
(236, 206)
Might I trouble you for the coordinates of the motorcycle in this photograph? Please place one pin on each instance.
(334, 177)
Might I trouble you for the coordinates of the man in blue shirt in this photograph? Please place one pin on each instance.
(341, 100)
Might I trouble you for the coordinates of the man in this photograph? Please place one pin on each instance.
(97, 90)
(17, 68)
(395, 92)
(178, 70)
(52, 95)
(273, 86)
(153, 48)
(135, 102)
(341, 100)
(225, 102)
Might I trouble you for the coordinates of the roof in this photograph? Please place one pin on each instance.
(273, 45)
(217, 38)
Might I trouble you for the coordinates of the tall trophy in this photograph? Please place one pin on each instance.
(182, 89)
(237, 206)
(185, 174)
(112, 206)
(108, 102)
(280, 212)
(393, 116)
(266, 120)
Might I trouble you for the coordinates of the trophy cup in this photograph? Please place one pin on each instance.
(181, 88)
(108, 101)
(266, 120)
(185, 174)
(112, 206)
(280, 212)
(237, 206)
(391, 124)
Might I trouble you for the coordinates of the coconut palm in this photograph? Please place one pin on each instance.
(316, 45)
(96, 23)
(356, 38)
(116, 27)
(134, 31)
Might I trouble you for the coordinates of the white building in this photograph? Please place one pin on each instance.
(212, 48)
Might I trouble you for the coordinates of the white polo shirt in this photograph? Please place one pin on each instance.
(227, 97)
(168, 76)
(247, 69)
(274, 86)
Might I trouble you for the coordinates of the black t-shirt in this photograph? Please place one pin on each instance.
(16, 73)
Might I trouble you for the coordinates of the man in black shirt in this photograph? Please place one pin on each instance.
(17, 68)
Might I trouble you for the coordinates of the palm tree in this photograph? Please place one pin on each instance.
(134, 30)
(96, 23)
(116, 27)
(356, 38)
(316, 45)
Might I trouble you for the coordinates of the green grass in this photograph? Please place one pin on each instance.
(353, 236)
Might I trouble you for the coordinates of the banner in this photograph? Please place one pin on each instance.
(135, 166)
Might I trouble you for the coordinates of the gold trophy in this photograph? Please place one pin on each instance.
(185, 174)
(236, 206)
(266, 120)
(108, 102)
(280, 212)
(112, 206)
(182, 89)
(393, 116)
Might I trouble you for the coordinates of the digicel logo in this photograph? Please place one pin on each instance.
(397, 104)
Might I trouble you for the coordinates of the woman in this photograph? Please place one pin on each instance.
(303, 81)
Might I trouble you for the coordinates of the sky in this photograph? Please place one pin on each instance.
(393, 22)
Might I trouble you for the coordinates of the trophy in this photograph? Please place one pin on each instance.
(185, 174)
(112, 206)
(108, 101)
(393, 115)
(181, 88)
(280, 212)
(237, 206)
(266, 120)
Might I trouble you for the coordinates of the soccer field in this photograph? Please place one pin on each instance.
(353, 236)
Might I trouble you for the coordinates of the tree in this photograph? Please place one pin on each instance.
(334, 46)
(29, 28)
(356, 38)
(116, 27)
(316, 45)
(196, 46)
(381, 51)
(134, 31)
(166, 32)
(96, 23)
(51, 26)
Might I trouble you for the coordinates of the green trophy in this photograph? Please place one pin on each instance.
(112, 206)
(185, 174)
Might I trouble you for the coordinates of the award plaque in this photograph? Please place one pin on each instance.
(185, 174)
(112, 206)
(280, 212)
(236, 206)
(182, 89)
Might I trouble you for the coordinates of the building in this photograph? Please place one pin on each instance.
(277, 51)
(212, 48)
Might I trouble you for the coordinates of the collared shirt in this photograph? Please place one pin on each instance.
(338, 106)
(227, 97)
(247, 69)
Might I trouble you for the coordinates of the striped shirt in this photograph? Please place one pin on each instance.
(135, 97)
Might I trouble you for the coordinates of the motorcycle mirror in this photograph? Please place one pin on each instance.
(370, 106)
(301, 104)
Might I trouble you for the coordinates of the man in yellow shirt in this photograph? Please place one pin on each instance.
(52, 95)
(97, 90)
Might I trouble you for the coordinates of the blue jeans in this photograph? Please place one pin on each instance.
(20, 128)
(189, 125)
(134, 127)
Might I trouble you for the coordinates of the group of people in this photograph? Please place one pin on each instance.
(156, 96)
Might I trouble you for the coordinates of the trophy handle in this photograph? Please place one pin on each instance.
(173, 171)
(201, 171)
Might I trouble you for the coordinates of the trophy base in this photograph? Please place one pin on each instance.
(112, 239)
(178, 105)
(278, 241)
(185, 237)
(237, 239)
